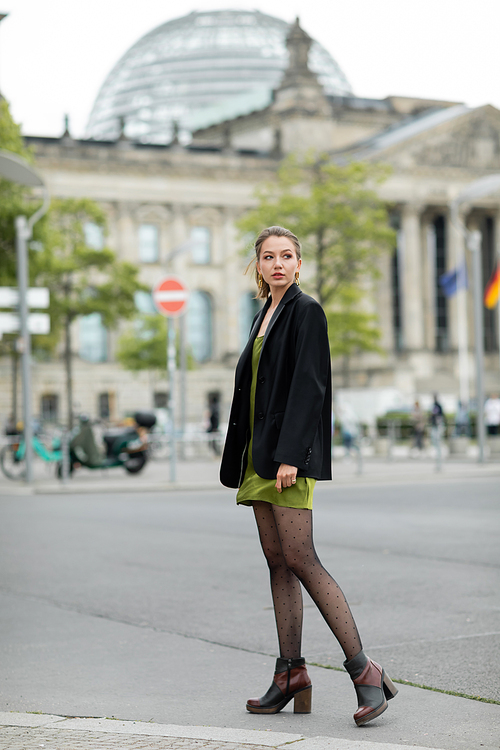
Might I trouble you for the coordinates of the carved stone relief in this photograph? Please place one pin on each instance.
(475, 144)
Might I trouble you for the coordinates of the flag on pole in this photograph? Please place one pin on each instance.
(492, 291)
(454, 280)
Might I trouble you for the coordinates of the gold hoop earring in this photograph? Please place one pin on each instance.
(297, 280)
(260, 282)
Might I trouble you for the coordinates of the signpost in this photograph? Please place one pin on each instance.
(16, 169)
(170, 297)
(37, 323)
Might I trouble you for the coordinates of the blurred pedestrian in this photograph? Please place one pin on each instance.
(492, 415)
(418, 421)
(462, 421)
(349, 430)
(437, 426)
(278, 444)
(213, 425)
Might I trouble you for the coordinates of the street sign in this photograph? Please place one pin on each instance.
(170, 296)
(37, 323)
(38, 296)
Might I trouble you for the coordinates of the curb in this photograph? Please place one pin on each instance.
(67, 726)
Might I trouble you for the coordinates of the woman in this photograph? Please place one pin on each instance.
(278, 444)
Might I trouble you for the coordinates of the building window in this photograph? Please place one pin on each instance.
(148, 243)
(200, 245)
(104, 405)
(199, 325)
(49, 407)
(144, 303)
(249, 307)
(94, 235)
(161, 400)
(441, 304)
(489, 261)
(93, 338)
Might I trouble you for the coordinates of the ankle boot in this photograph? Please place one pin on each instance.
(290, 681)
(373, 687)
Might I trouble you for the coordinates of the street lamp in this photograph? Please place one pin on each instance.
(16, 169)
(477, 189)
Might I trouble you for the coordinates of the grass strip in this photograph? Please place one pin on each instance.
(417, 685)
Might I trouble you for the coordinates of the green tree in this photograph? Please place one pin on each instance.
(81, 279)
(144, 345)
(15, 201)
(344, 227)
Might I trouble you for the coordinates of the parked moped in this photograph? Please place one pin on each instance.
(125, 446)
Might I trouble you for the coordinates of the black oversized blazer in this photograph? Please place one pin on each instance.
(293, 398)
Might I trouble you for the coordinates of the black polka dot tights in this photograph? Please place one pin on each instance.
(287, 542)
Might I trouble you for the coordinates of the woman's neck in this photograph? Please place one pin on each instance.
(277, 295)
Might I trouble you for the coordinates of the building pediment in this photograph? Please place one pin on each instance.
(471, 140)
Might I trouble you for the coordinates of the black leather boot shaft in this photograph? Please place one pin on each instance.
(356, 665)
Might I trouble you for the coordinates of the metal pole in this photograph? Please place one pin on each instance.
(171, 365)
(22, 235)
(183, 363)
(474, 245)
(65, 455)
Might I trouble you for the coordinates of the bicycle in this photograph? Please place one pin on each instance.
(12, 456)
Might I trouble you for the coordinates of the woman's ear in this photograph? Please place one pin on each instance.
(299, 263)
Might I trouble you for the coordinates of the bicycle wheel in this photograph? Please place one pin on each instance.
(12, 466)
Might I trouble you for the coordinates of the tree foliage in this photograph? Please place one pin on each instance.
(82, 279)
(14, 199)
(344, 228)
(144, 345)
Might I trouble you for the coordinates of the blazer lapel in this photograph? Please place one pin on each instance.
(290, 293)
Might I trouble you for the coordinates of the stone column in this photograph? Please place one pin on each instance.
(428, 243)
(496, 231)
(410, 255)
(230, 293)
(126, 232)
(458, 316)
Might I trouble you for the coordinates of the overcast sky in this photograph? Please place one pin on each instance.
(55, 54)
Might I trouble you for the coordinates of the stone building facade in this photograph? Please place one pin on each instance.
(172, 209)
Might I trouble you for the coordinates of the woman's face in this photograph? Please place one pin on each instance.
(278, 262)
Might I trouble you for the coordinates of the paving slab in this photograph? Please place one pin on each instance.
(80, 733)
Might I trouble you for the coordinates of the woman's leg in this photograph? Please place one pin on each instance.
(290, 676)
(294, 532)
(285, 587)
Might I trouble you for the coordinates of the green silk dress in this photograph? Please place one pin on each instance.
(299, 495)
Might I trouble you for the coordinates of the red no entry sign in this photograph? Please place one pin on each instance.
(170, 296)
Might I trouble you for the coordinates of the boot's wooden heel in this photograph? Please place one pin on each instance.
(390, 689)
(302, 701)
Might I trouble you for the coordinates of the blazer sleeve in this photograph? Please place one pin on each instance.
(308, 387)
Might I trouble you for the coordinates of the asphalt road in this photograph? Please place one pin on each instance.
(158, 606)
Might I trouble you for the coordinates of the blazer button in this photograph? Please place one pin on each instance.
(262, 379)
(260, 415)
(234, 424)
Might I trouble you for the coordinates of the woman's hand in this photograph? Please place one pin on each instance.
(286, 476)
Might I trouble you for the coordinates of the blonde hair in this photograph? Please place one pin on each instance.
(264, 290)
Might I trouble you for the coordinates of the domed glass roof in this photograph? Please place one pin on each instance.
(193, 63)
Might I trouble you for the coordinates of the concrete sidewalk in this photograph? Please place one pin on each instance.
(471, 725)
(204, 474)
